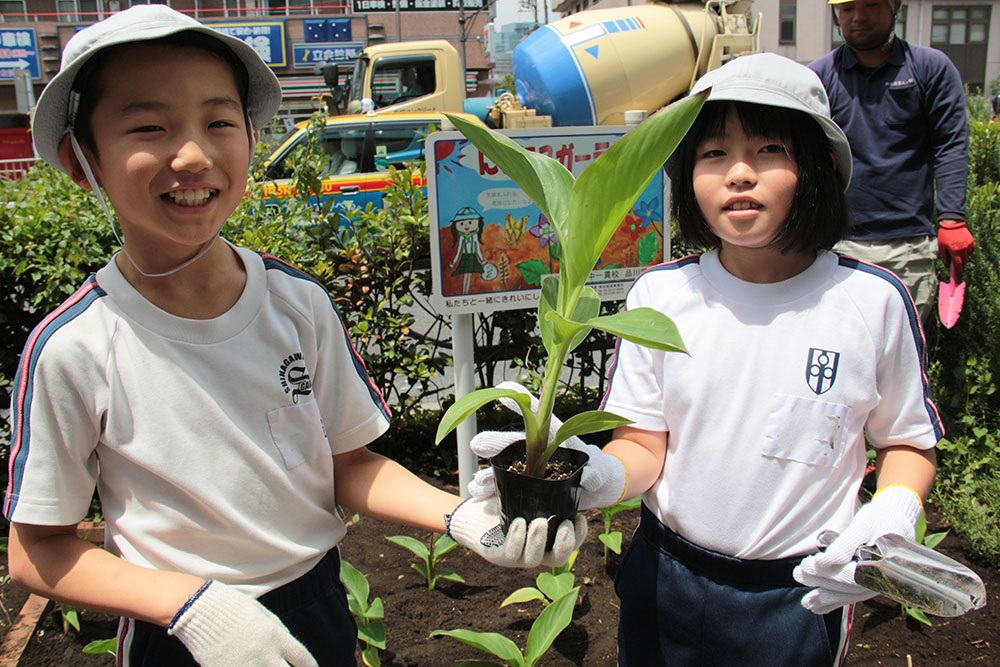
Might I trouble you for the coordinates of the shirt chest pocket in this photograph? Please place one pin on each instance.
(806, 431)
(298, 433)
(901, 106)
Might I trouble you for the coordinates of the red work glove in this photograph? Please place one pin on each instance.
(955, 242)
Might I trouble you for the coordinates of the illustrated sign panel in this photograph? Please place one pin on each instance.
(491, 246)
(18, 50)
(266, 37)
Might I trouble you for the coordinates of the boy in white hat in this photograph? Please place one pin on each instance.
(209, 392)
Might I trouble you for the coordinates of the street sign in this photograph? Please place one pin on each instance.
(266, 37)
(313, 53)
(491, 246)
(362, 6)
(18, 50)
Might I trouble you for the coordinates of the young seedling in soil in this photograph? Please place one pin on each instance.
(549, 624)
(429, 556)
(612, 540)
(371, 628)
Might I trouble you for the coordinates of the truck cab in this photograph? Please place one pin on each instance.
(400, 77)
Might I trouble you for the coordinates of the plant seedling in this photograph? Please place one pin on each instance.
(70, 617)
(612, 540)
(429, 556)
(102, 646)
(371, 628)
(584, 213)
(549, 624)
(548, 588)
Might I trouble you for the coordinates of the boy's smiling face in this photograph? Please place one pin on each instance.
(173, 149)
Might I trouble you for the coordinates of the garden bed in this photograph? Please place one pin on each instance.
(882, 635)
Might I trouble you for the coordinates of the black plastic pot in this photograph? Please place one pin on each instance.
(535, 497)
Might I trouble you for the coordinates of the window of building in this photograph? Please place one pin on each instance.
(12, 7)
(960, 25)
(286, 7)
(786, 27)
(837, 39)
(79, 10)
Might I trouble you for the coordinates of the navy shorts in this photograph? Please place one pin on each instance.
(682, 605)
(313, 607)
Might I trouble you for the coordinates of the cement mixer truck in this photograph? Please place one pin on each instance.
(588, 68)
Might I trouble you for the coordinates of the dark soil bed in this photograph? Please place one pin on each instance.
(882, 634)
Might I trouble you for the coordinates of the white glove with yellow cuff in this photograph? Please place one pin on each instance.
(894, 509)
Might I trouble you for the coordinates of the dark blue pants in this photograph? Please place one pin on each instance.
(313, 608)
(682, 605)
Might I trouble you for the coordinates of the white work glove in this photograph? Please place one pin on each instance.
(223, 627)
(894, 509)
(603, 479)
(475, 524)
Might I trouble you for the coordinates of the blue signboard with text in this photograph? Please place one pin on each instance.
(266, 37)
(315, 53)
(18, 50)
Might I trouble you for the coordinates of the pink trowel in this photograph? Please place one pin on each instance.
(951, 296)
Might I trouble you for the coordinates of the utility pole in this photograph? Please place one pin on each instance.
(461, 37)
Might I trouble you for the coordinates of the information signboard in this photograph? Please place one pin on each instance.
(491, 246)
(363, 6)
(266, 37)
(18, 50)
(314, 53)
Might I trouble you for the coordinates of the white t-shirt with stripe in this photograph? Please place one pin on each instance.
(210, 441)
(767, 416)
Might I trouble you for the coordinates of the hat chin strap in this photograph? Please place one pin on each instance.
(107, 213)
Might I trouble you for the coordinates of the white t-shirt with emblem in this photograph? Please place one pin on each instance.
(767, 416)
(210, 441)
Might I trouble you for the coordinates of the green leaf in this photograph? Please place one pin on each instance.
(376, 610)
(369, 655)
(451, 576)
(355, 582)
(931, 541)
(592, 421)
(645, 326)
(609, 187)
(545, 180)
(649, 248)
(588, 306)
(471, 402)
(101, 646)
(491, 642)
(548, 625)
(917, 614)
(413, 544)
(372, 633)
(547, 301)
(478, 663)
(526, 594)
(612, 541)
(422, 569)
(554, 586)
(443, 545)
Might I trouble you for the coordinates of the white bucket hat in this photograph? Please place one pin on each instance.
(773, 80)
(140, 23)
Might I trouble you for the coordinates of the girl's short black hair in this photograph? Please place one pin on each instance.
(818, 218)
(88, 80)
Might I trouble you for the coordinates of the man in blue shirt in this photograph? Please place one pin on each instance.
(902, 107)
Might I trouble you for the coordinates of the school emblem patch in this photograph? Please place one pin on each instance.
(821, 369)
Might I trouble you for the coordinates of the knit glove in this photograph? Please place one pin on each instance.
(603, 480)
(223, 627)
(955, 241)
(475, 524)
(894, 509)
